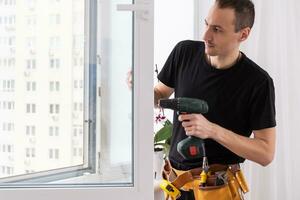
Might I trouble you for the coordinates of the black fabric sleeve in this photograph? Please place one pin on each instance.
(168, 73)
(262, 112)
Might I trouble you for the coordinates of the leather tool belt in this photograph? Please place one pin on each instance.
(224, 182)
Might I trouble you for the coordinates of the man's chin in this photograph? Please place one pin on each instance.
(210, 52)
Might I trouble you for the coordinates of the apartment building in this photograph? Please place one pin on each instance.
(41, 85)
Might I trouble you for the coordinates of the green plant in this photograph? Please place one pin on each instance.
(162, 137)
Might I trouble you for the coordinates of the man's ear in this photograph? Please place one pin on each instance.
(244, 34)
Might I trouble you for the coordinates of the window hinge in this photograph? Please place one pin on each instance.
(99, 161)
(99, 59)
(99, 91)
(88, 121)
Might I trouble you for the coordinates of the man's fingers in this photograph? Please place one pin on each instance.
(187, 123)
(129, 79)
(184, 117)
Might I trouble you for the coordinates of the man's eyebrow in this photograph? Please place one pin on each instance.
(214, 25)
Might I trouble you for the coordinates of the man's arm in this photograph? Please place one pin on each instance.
(259, 149)
(161, 91)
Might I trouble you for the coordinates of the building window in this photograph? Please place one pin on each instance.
(7, 105)
(30, 152)
(10, 105)
(8, 85)
(54, 154)
(30, 63)
(31, 86)
(30, 108)
(54, 63)
(54, 86)
(30, 130)
(78, 84)
(53, 131)
(8, 126)
(54, 108)
(78, 106)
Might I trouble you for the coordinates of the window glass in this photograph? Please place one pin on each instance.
(47, 87)
(36, 94)
(116, 55)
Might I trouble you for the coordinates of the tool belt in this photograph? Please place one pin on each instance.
(224, 182)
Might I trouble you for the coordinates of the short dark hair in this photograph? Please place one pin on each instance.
(244, 12)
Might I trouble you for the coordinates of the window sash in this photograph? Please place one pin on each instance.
(89, 85)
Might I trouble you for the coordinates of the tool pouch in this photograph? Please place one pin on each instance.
(229, 190)
(213, 192)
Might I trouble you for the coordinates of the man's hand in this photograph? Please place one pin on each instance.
(260, 148)
(161, 91)
(197, 125)
(129, 79)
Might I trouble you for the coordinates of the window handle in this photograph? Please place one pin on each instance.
(142, 9)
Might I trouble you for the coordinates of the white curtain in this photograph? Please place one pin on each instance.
(274, 45)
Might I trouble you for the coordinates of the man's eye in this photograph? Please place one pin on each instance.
(216, 29)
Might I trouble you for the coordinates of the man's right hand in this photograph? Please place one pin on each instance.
(129, 79)
(161, 91)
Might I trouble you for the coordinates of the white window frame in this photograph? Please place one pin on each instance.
(142, 187)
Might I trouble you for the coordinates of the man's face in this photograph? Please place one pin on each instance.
(220, 37)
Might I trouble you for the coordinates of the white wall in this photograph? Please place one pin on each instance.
(173, 22)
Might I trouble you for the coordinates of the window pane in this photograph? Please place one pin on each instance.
(116, 98)
(39, 40)
(47, 85)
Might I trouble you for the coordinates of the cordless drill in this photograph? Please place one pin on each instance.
(191, 147)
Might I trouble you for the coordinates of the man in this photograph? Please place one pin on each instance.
(239, 93)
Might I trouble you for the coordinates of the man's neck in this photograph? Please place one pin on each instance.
(224, 62)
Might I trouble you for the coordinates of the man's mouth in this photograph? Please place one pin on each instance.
(209, 45)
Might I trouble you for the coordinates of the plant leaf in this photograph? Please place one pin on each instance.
(164, 133)
(167, 122)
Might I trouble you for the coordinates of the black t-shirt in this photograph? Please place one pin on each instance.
(240, 98)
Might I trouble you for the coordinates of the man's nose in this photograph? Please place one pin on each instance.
(207, 36)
